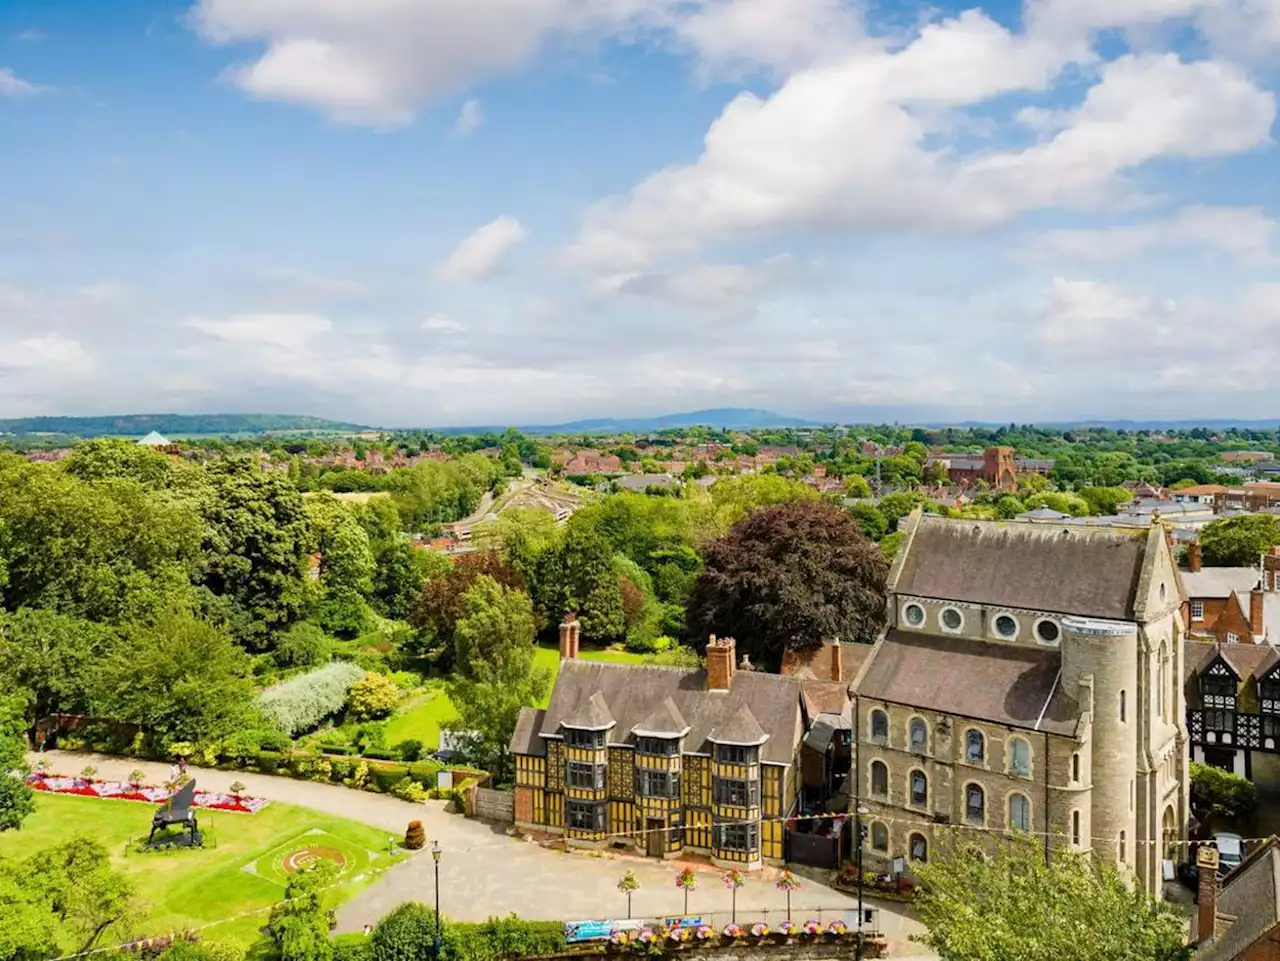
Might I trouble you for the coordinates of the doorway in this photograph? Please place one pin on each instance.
(656, 833)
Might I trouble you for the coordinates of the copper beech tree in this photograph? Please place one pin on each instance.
(790, 576)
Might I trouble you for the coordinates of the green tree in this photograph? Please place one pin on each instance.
(870, 520)
(790, 576)
(1105, 500)
(29, 931)
(855, 485)
(734, 498)
(299, 925)
(1221, 793)
(16, 800)
(1239, 541)
(1008, 507)
(578, 575)
(898, 505)
(113, 458)
(179, 678)
(88, 899)
(1008, 903)
(407, 933)
(371, 697)
(257, 537)
(494, 674)
(55, 658)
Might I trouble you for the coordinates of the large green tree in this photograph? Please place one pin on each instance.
(494, 672)
(87, 897)
(578, 575)
(298, 929)
(1239, 541)
(790, 576)
(55, 658)
(16, 800)
(1009, 904)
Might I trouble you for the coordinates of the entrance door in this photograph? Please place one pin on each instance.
(656, 832)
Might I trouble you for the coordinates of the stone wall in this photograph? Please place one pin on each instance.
(491, 805)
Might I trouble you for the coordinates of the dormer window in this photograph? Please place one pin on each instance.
(575, 737)
(658, 746)
(1269, 694)
(737, 754)
(1218, 687)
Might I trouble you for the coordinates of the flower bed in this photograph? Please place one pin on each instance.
(122, 791)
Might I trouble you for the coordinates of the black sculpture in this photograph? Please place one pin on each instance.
(177, 810)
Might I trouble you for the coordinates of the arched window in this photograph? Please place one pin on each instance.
(919, 848)
(1019, 813)
(1124, 713)
(1019, 757)
(1075, 828)
(879, 778)
(1075, 768)
(919, 789)
(975, 747)
(918, 735)
(879, 726)
(1170, 830)
(879, 837)
(975, 804)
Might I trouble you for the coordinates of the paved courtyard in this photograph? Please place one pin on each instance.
(484, 872)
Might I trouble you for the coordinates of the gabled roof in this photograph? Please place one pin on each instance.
(592, 715)
(1246, 660)
(1066, 569)
(633, 691)
(742, 728)
(1248, 906)
(665, 720)
(1211, 583)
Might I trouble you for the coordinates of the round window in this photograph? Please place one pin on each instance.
(914, 614)
(1006, 626)
(1048, 632)
(952, 619)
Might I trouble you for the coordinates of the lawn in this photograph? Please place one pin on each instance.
(240, 867)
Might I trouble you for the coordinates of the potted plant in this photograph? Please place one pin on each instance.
(734, 879)
(628, 884)
(41, 769)
(813, 927)
(734, 930)
(237, 789)
(686, 880)
(137, 778)
(788, 882)
(759, 930)
(838, 927)
(88, 774)
(787, 928)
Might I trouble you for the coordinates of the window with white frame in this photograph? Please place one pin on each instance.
(1197, 610)
(1233, 638)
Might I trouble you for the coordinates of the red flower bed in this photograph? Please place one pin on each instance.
(122, 791)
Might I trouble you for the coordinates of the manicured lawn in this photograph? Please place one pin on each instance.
(186, 888)
(420, 717)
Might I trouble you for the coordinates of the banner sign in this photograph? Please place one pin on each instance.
(578, 931)
(685, 922)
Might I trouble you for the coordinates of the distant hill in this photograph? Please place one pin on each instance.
(1208, 423)
(172, 425)
(723, 418)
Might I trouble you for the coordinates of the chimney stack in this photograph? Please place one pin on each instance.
(569, 630)
(837, 661)
(720, 660)
(1256, 612)
(1207, 911)
(1194, 560)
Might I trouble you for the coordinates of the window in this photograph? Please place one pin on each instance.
(879, 726)
(1270, 726)
(1075, 828)
(975, 804)
(1124, 713)
(658, 746)
(1269, 694)
(576, 738)
(1122, 846)
(952, 619)
(737, 837)
(1075, 768)
(919, 848)
(1019, 813)
(879, 778)
(1233, 638)
(974, 747)
(657, 784)
(879, 837)
(1006, 625)
(735, 754)
(1219, 720)
(919, 789)
(1047, 632)
(1019, 757)
(914, 614)
(584, 815)
(918, 735)
(581, 774)
(1197, 610)
(737, 793)
(1218, 685)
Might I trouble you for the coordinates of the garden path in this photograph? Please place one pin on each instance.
(483, 872)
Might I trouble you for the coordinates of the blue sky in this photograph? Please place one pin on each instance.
(477, 211)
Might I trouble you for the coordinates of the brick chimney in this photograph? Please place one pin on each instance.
(1194, 560)
(837, 661)
(720, 660)
(1207, 911)
(569, 630)
(1256, 598)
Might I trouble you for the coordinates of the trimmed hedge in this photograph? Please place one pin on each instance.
(351, 947)
(303, 703)
(408, 934)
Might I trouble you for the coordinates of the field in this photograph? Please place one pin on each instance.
(244, 865)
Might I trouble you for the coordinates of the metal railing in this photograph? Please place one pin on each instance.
(746, 915)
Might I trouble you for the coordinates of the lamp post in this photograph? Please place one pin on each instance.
(436, 851)
(858, 814)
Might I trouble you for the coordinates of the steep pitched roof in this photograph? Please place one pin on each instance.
(154, 439)
(525, 739)
(1066, 569)
(742, 728)
(1247, 660)
(1218, 582)
(1015, 686)
(633, 691)
(1248, 906)
(591, 715)
(665, 720)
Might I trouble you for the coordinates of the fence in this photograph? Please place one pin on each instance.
(492, 805)
(747, 915)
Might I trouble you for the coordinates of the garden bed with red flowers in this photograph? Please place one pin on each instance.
(136, 791)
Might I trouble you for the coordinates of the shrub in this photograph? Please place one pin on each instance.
(1221, 792)
(380, 754)
(268, 762)
(509, 937)
(304, 645)
(237, 788)
(358, 777)
(344, 749)
(406, 934)
(302, 703)
(372, 697)
(352, 947)
(409, 750)
(385, 779)
(424, 772)
(414, 836)
(408, 790)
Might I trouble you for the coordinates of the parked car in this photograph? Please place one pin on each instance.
(1230, 852)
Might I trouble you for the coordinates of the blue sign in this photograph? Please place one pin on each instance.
(578, 931)
(685, 922)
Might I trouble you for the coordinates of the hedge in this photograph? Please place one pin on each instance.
(408, 933)
(303, 703)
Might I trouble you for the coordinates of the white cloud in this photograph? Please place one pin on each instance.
(1243, 232)
(444, 324)
(848, 147)
(740, 35)
(294, 283)
(284, 331)
(47, 352)
(470, 119)
(104, 293)
(715, 286)
(479, 256)
(11, 85)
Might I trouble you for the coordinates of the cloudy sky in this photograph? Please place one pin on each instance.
(513, 211)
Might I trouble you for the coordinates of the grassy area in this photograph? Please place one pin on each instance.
(420, 717)
(182, 889)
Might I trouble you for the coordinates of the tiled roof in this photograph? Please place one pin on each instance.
(1015, 686)
(818, 660)
(1248, 906)
(525, 740)
(1247, 660)
(592, 715)
(742, 728)
(631, 692)
(1065, 569)
(1218, 582)
(665, 720)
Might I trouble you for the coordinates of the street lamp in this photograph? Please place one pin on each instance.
(436, 851)
(859, 813)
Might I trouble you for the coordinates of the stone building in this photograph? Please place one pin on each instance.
(662, 760)
(1029, 679)
(997, 467)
